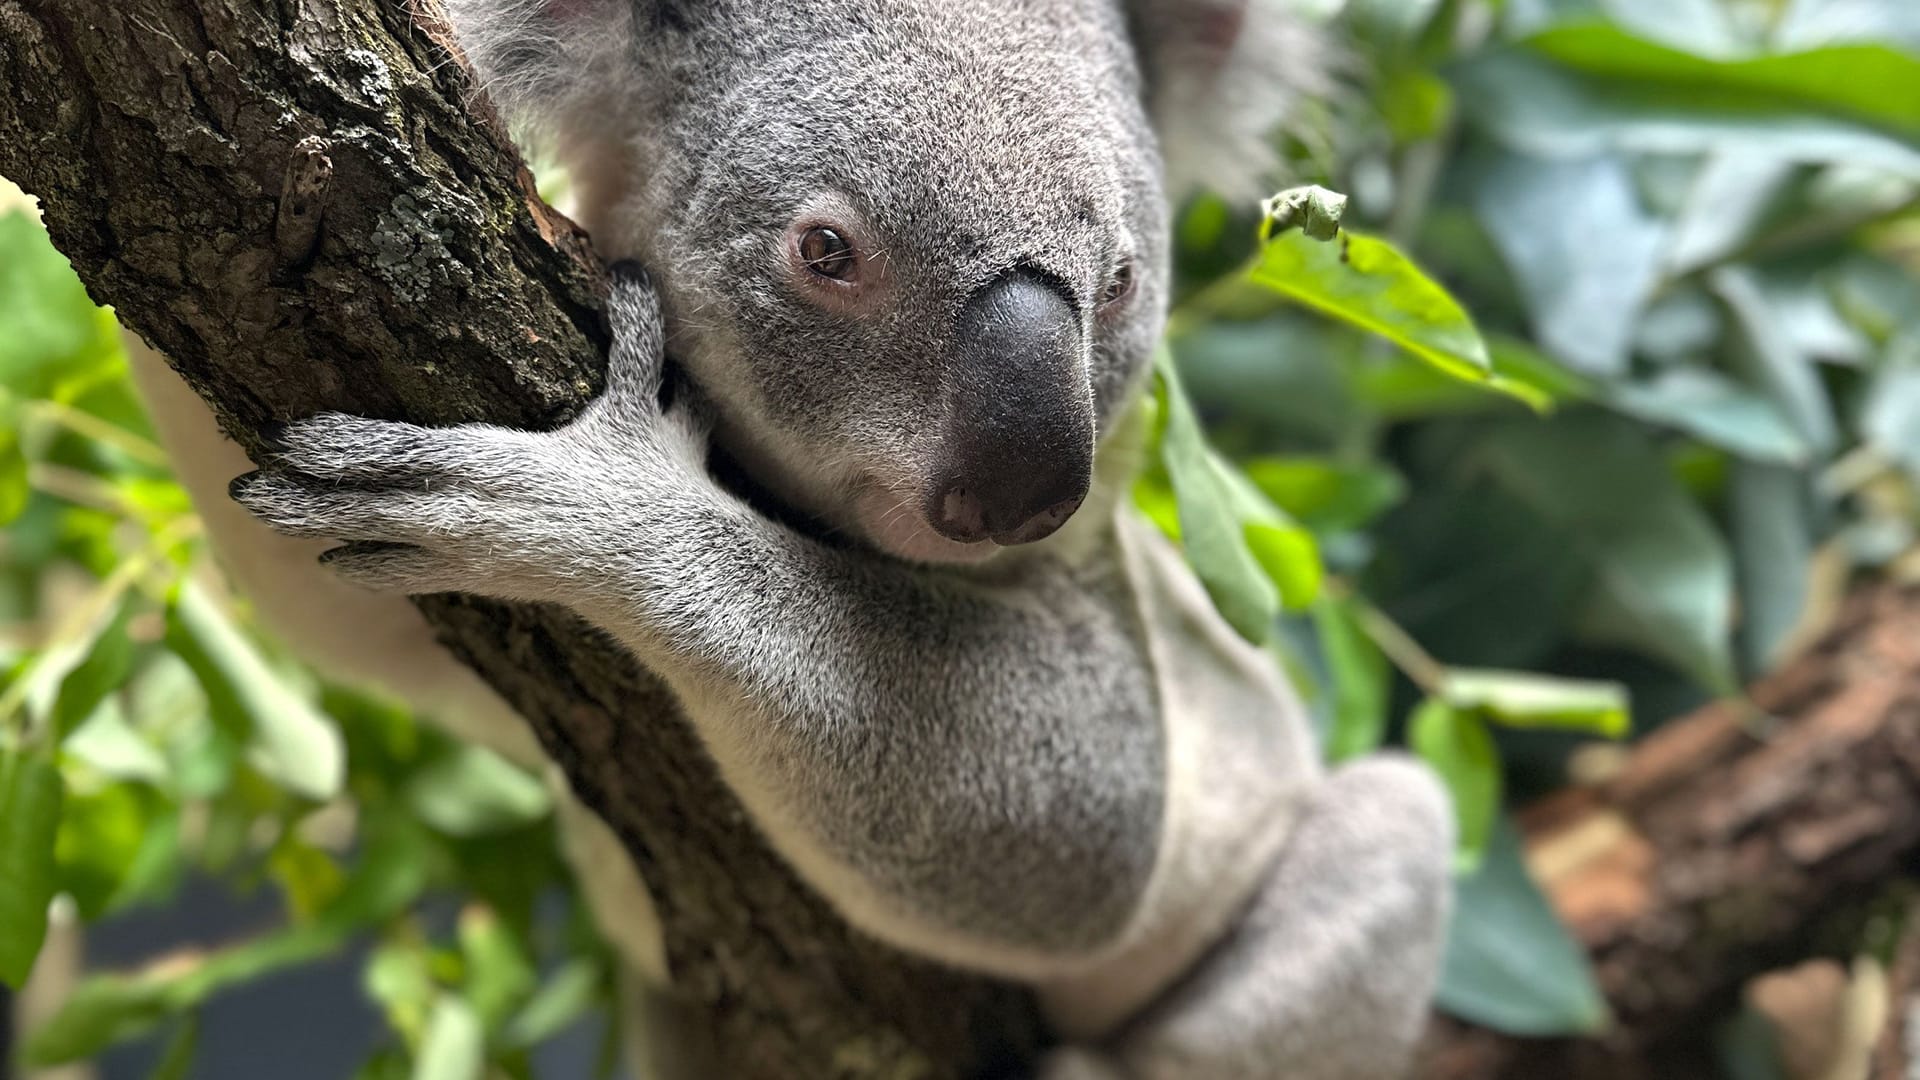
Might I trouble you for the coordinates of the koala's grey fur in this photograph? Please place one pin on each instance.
(1055, 763)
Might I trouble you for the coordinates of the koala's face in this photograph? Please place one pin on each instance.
(913, 253)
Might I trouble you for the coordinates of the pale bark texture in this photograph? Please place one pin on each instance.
(295, 202)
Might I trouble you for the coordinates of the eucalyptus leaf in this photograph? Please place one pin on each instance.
(1326, 495)
(1360, 680)
(1510, 964)
(1458, 745)
(30, 800)
(561, 1001)
(1246, 552)
(1520, 699)
(1584, 250)
(103, 669)
(1788, 375)
(1773, 542)
(13, 475)
(1716, 410)
(455, 1044)
(1662, 579)
(1869, 82)
(286, 737)
(1367, 283)
(1530, 105)
(472, 791)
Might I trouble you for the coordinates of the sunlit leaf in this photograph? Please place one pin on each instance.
(1366, 282)
(101, 833)
(1457, 744)
(500, 975)
(13, 474)
(455, 1046)
(1525, 700)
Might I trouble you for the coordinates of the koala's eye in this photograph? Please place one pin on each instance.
(827, 253)
(1119, 286)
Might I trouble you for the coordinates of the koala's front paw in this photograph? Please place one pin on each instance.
(422, 509)
(486, 509)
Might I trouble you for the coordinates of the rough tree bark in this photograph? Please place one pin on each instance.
(294, 202)
(1738, 840)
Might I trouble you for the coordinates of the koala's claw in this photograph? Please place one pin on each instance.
(403, 568)
(298, 505)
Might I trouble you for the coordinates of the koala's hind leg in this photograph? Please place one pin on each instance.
(1329, 974)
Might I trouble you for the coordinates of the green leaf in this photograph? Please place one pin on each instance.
(30, 798)
(1584, 251)
(1325, 495)
(455, 1046)
(1360, 680)
(1662, 580)
(101, 1011)
(472, 791)
(1789, 376)
(499, 974)
(287, 738)
(176, 1063)
(573, 991)
(1510, 965)
(1367, 283)
(1773, 524)
(52, 327)
(1246, 552)
(1458, 746)
(106, 1009)
(104, 669)
(1870, 82)
(1525, 700)
(1533, 106)
(14, 490)
(101, 834)
(1716, 410)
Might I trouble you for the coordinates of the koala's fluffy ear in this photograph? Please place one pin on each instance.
(540, 59)
(1222, 76)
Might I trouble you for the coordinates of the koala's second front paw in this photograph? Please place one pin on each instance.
(486, 509)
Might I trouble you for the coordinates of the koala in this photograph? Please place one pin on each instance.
(889, 275)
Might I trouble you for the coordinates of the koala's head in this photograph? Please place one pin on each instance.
(913, 252)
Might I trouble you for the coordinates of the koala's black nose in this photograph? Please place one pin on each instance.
(1017, 456)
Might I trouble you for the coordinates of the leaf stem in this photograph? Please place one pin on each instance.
(90, 426)
(1419, 665)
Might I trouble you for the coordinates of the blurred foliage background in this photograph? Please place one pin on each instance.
(1607, 394)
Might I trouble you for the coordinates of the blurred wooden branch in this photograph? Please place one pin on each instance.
(295, 203)
(1731, 843)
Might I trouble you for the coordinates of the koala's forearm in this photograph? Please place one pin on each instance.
(829, 636)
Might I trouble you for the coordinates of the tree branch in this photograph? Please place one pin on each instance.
(1736, 841)
(293, 202)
